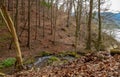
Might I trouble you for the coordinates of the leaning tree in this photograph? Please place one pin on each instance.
(12, 30)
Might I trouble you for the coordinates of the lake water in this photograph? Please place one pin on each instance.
(115, 33)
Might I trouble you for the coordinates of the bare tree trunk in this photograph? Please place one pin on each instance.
(29, 10)
(69, 12)
(78, 14)
(13, 18)
(99, 31)
(43, 21)
(51, 17)
(16, 16)
(9, 4)
(36, 20)
(89, 26)
(22, 11)
(55, 21)
(39, 13)
(25, 20)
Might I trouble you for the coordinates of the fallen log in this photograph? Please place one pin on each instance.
(115, 51)
(2, 74)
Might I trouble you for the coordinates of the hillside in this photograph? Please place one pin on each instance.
(55, 52)
(65, 36)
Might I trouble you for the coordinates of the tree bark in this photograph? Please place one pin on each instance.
(89, 26)
(29, 8)
(16, 17)
(36, 30)
(99, 31)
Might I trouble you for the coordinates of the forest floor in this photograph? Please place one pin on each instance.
(99, 64)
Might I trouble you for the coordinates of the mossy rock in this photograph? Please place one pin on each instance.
(44, 53)
(61, 54)
(115, 51)
(73, 54)
(53, 59)
(69, 53)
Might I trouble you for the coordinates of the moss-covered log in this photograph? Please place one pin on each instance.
(114, 51)
(2, 74)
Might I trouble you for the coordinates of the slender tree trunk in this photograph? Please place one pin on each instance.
(69, 13)
(48, 13)
(23, 11)
(43, 21)
(39, 7)
(16, 16)
(55, 21)
(36, 20)
(25, 21)
(89, 26)
(29, 13)
(51, 17)
(13, 18)
(9, 5)
(78, 14)
(99, 31)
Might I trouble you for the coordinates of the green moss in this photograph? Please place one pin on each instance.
(53, 59)
(44, 53)
(65, 61)
(8, 62)
(73, 54)
(61, 54)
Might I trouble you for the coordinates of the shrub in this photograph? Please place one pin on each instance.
(8, 62)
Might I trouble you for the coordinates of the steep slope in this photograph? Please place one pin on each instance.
(65, 36)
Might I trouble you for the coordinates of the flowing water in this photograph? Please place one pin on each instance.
(41, 61)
